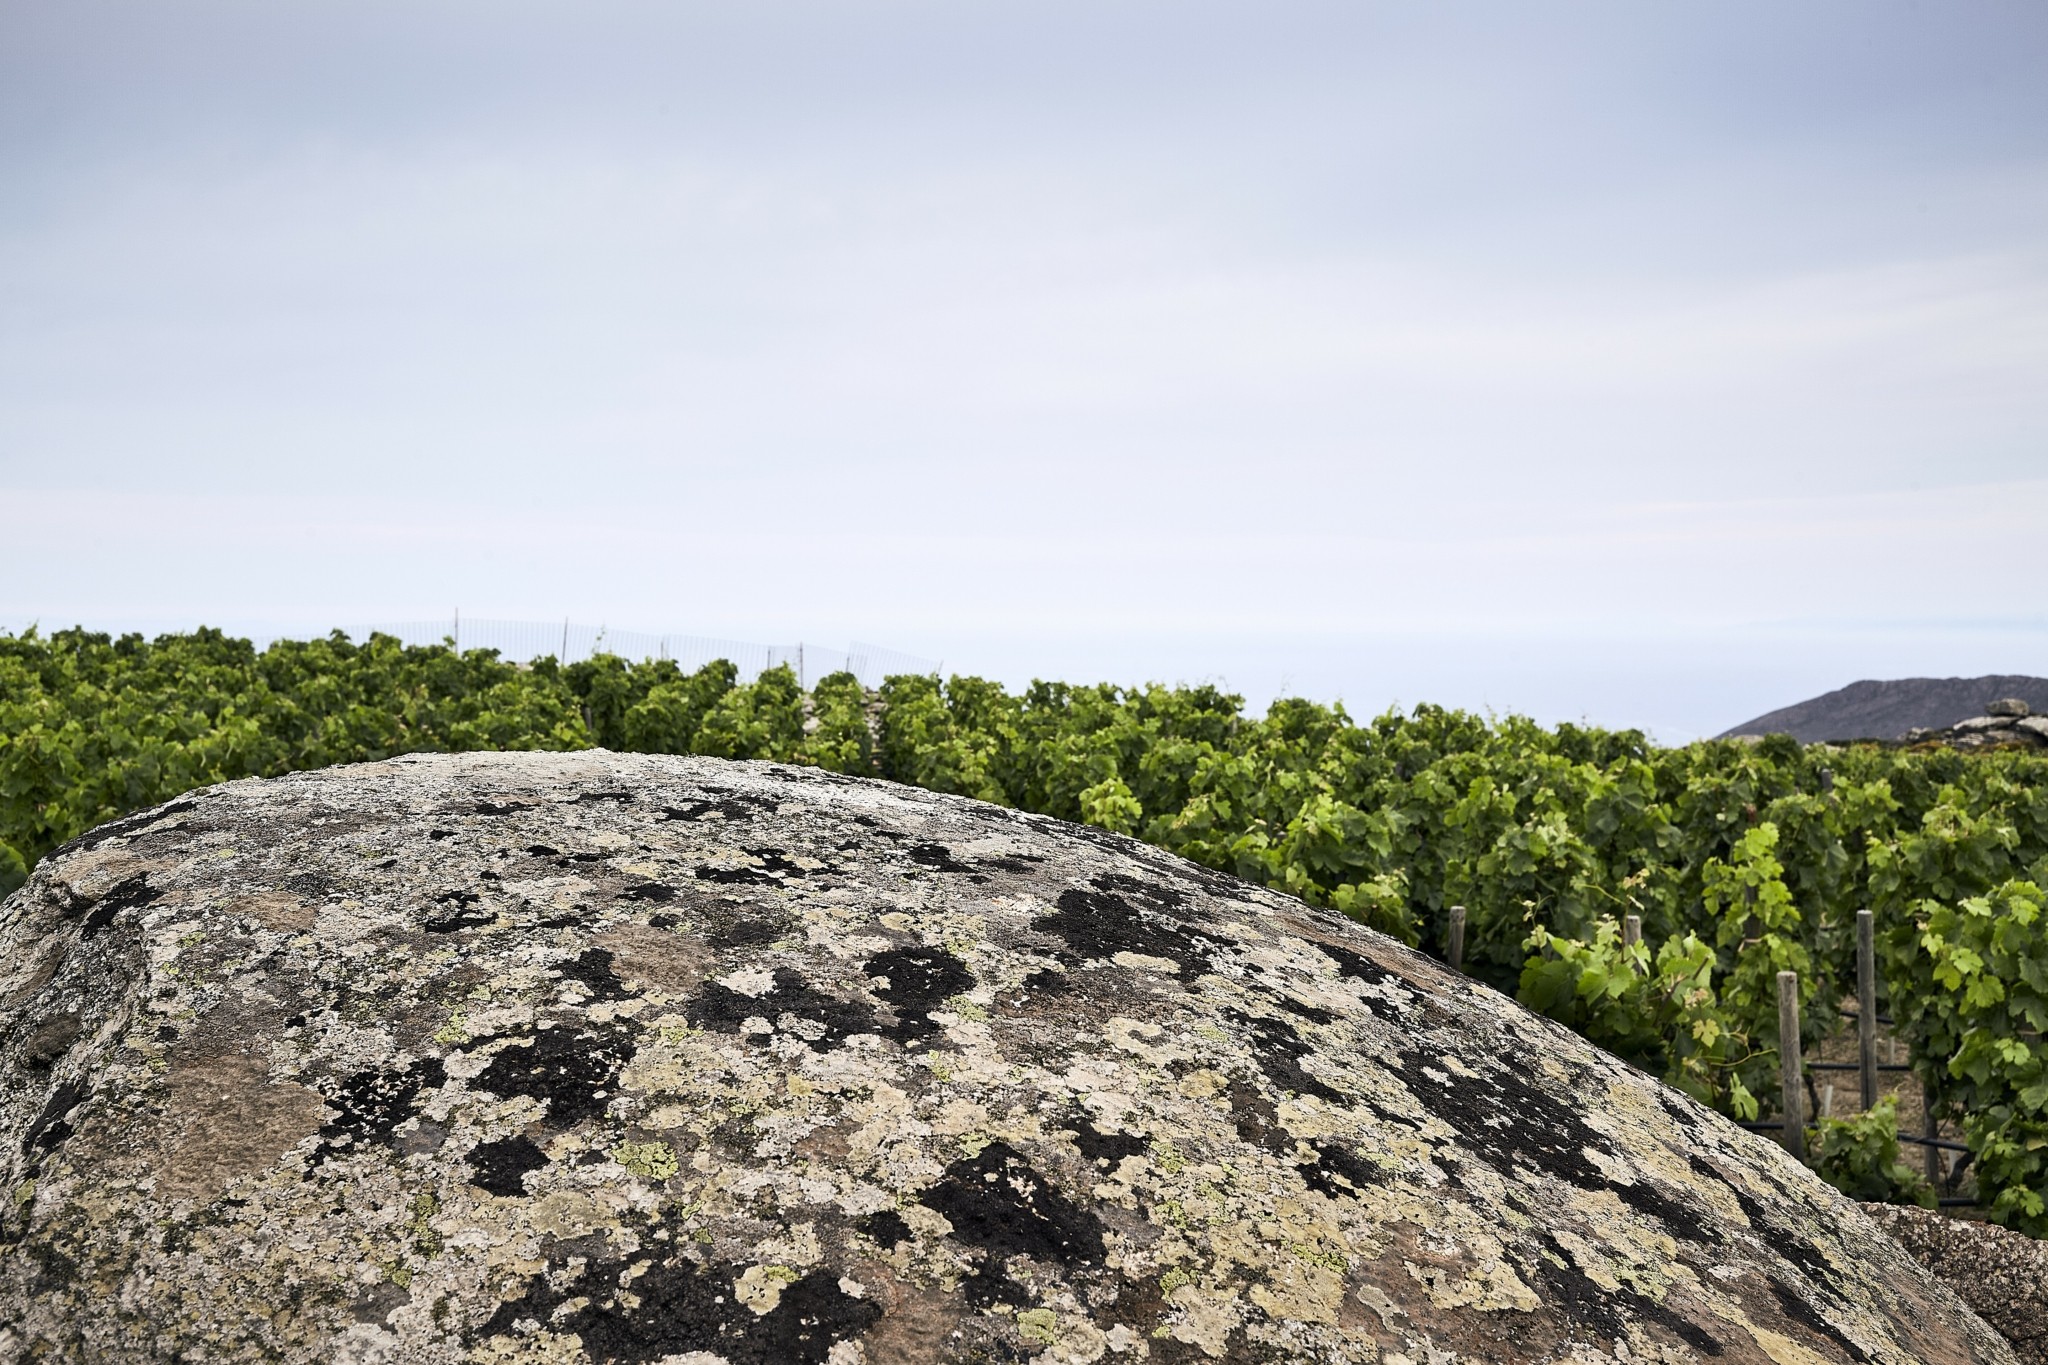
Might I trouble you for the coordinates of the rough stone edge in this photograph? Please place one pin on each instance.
(2001, 1274)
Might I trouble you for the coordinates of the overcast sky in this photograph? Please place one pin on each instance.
(1653, 364)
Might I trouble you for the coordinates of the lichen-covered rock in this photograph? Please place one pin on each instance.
(526, 1058)
(2000, 1273)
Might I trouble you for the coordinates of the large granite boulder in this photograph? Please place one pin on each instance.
(525, 1058)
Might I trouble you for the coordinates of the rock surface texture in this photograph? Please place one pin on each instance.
(593, 1057)
(1998, 1272)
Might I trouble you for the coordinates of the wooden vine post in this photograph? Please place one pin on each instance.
(1866, 1006)
(1454, 950)
(1932, 1132)
(1791, 1082)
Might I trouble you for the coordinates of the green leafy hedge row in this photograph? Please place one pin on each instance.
(1740, 859)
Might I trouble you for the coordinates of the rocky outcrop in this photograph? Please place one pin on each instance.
(593, 1057)
(1888, 710)
(1998, 1272)
(2006, 723)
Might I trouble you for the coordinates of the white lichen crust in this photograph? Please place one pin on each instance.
(599, 1057)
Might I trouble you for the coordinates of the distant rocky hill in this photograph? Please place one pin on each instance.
(1888, 710)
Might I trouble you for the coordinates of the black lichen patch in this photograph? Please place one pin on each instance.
(1124, 915)
(501, 1166)
(132, 894)
(679, 1307)
(1356, 966)
(1778, 1231)
(1505, 1120)
(1105, 1149)
(821, 1020)
(373, 1103)
(1016, 864)
(886, 1227)
(1154, 896)
(497, 808)
(653, 892)
(918, 980)
(1799, 1311)
(771, 867)
(1315, 1014)
(1588, 1306)
(769, 873)
(1338, 1171)
(735, 876)
(592, 798)
(996, 1201)
(937, 857)
(592, 969)
(115, 829)
(52, 1125)
(1680, 1326)
(721, 805)
(1787, 1243)
(463, 915)
(1279, 1051)
(573, 1069)
(1042, 986)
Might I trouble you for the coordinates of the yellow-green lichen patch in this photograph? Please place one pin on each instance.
(654, 1160)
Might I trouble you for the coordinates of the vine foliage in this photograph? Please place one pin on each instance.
(1739, 859)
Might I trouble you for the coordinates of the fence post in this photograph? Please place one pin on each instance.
(1455, 950)
(1866, 1005)
(1827, 781)
(1932, 1130)
(1792, 1096)
(1631, 930)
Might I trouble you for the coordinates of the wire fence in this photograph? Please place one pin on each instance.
(568, 643)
